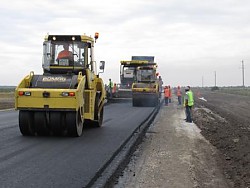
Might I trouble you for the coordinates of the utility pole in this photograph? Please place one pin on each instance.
(202, 82)
(215, 78)
(243, 73)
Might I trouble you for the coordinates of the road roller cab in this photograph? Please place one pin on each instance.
(68, 95)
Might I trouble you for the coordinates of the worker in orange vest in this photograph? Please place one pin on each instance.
(179, 94)
(65, 53)
(114, 90)
(166, 95)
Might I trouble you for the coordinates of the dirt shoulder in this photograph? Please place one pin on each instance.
(174, 154)
(225, 121)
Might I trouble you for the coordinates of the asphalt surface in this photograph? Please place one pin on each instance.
(64, 161)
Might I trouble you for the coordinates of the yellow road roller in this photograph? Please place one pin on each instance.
(145, 91)
(68, 95)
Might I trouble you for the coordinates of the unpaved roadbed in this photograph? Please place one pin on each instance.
(173, 154)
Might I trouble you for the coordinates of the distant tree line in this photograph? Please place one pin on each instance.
(7, 88)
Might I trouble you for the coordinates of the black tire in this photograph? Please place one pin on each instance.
(139, 102)
(157, 101)
(41, 124)
(134, 102)
(154, 102)
(56, 123)
(26, 124)
(98, 116)
(98, 120)
(74, 124)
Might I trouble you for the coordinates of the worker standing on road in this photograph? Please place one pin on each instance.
(170, 94)
(179, 94)
(160, 84)
(114, 90)
(166, 95)
(110, 88)
(189, 103)
(107, 90)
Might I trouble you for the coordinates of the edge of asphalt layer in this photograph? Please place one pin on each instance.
(9, 109)
(110, 172)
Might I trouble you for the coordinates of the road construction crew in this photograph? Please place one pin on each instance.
(189, 103)
(166, 95)
(179, 93)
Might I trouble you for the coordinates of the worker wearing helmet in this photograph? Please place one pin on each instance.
(189, 103)
(166, 95)
(170, 93)
(179, 94)
(111, 85)
(114, 90)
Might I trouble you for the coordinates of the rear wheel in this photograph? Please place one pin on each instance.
(135, 102)
(157, 101)
(26, 124)
(41, 124)
(154, 101)
(56, 123)
(74, 124)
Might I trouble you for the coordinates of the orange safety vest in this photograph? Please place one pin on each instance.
(166, 92)
(170, 93)
(65, 54)
(114, 89)
(178, 92)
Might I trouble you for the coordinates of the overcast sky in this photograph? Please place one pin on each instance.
(190, 39)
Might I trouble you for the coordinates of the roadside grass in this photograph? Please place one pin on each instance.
(245, 91)
(7, 89)
(7, 97)
(236, 91)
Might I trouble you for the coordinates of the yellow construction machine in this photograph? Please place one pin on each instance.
(128, 72)
(68, 95)
(128, 77)
(145, 91)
